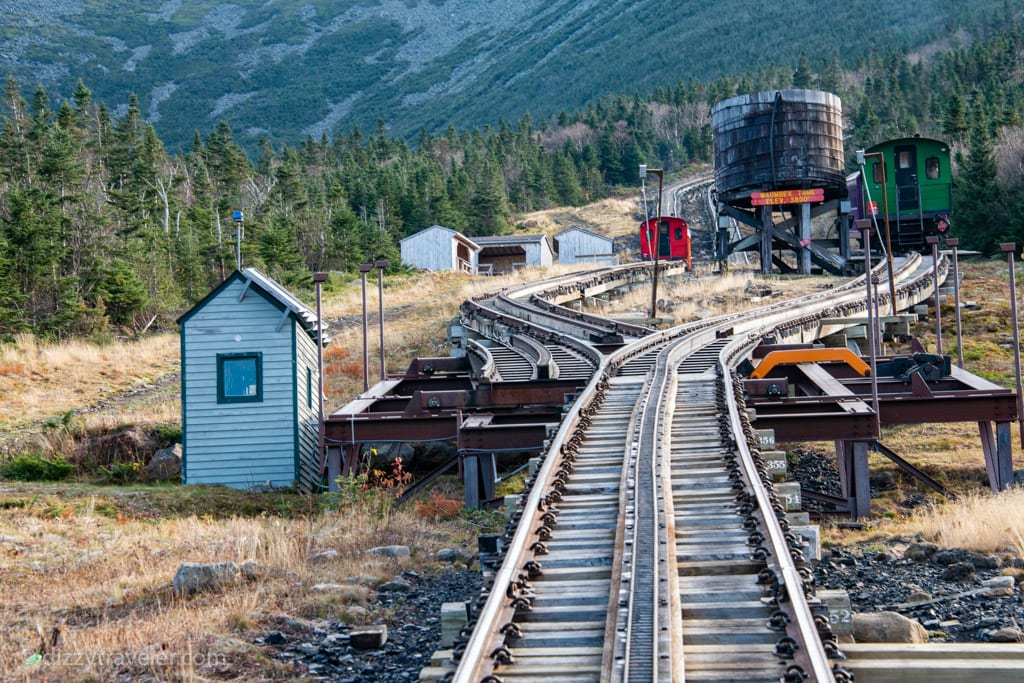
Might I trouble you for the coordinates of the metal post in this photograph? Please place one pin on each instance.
(885, 219)
(655, 247)
(869, 280)
(238, 217)
(365, 268)
(953, 243)
(1008, 248)
(318, 280)
(380, 264)
(934, 241)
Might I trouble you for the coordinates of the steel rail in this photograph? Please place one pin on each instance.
(485, 642)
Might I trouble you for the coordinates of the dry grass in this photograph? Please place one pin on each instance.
(708, 294)
(612, 217)
(982, 522)
(40, 379)
(85, 561)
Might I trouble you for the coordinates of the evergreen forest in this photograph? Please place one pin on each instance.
(102, 229)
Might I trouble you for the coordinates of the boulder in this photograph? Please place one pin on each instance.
(197, 577)
(453, 555)
(1006, 635)
(368, 637)
(165, 465)
(396, 586)
(887, 627)
(920, 552)
(393, 551)
(958, 571)
(948, 556)
(128, 445)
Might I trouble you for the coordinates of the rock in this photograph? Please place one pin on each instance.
(999, 582)
(1006, 635)
(128, 445)
(396, 586)
(368, 637)
(920, 552)
(887, 627)
(452, 555)
(959, 571)
(275, 638)
(196, 577)
(919, 596)
(165, 465)
(393, 551)
(948, 556)
(328, 587)
(324, 555)
(250, 570)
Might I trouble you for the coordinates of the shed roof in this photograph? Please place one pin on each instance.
(509, 239)
(274, 293)
(455, 233)
(577, 228)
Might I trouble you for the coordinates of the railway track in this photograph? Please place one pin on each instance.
(650, 545)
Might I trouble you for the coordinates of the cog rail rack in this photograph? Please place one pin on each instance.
(651, 545)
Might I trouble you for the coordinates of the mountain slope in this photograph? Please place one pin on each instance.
(288, 69)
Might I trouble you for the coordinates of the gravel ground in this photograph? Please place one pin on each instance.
(413, 620)
(949, 592)
(887, 576)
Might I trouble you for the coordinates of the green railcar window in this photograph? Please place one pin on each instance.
(931, 168)
(903, 159)
(876, 172)
(239, 377)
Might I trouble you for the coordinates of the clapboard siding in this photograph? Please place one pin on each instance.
(247, 444)
(437, 248)
(574, 243)
(308, 414)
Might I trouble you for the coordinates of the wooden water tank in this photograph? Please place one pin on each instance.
(778, 140)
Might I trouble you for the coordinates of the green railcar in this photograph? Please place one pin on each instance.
(918, 190)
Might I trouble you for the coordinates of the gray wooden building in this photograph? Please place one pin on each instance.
(505, 253)
(577, 245)
(440, 248)
(249, 387)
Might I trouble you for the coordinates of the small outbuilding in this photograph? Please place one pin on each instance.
(577, 245)
(440, 248)
(249, 387)
(505, 253)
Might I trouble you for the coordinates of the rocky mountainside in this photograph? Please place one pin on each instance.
(291, 68)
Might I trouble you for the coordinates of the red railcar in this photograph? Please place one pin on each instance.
(673, 243)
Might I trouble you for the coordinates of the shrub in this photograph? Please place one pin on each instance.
(29, 467)
(168, 433)
(122, 472)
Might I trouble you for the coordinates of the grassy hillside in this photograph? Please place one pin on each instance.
(289, 69)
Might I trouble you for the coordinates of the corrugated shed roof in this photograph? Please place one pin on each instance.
(509, 239)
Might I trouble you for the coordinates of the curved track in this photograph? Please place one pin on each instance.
(650, 545)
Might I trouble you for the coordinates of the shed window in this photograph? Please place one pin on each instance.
(931, 168)
(239, 377)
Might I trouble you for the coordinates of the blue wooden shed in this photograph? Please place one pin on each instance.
(249, 387)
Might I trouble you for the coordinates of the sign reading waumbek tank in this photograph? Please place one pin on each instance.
(816, 194)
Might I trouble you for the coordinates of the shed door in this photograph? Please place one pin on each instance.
(906, 177)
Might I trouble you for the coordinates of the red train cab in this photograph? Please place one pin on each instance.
(673, 243)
